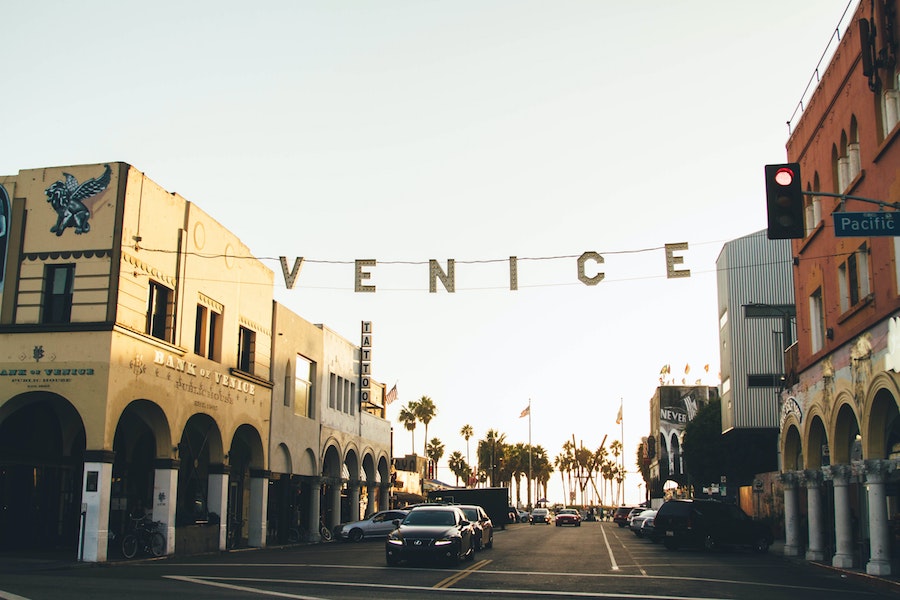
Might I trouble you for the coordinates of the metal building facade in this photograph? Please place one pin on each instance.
(756, 324)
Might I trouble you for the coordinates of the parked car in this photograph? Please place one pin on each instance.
(637, 521)
(524, 516)
(484, 527)
(568, 516)
(437, 532)
(648, 530)
(540, 515)
(620, 516)
(709, 524)
(378, 525)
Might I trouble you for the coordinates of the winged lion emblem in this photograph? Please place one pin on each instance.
(67, 199)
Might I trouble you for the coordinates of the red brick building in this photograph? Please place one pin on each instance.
(840, 429)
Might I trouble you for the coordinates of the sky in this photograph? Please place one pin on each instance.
(409, 131)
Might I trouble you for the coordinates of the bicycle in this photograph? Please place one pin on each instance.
(295, 535)
(144, 536)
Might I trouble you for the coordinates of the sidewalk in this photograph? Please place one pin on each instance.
(888, 583)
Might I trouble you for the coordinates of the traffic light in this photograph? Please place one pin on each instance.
(784, 200)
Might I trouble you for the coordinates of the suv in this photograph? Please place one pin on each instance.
(709, 524)
(620, 516)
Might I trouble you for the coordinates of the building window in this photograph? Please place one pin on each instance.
(816, 321)
(853, 278)
(246, 350)
(160, 316)
(304, 374)
(58, 287)
(342, 394)
(208, 333)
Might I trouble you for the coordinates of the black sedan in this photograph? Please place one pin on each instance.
(436, 532)
(484, 527)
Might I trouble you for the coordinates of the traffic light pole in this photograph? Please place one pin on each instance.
(845, 197)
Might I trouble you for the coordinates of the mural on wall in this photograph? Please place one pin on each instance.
(4, 233)
(67, 199)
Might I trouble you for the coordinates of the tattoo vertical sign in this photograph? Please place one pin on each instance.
(4, 235)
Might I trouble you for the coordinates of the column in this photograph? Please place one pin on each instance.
(217, 498)
(815, 550)
(385, 491)
(880, 542)
(843, 524)
(96, 487)
(334, 502)
(791, 514)
(353, 488)
(373, 499)
(259, 502)
(311, 522)
(165, 498)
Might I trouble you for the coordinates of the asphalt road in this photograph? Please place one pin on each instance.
(596, 560)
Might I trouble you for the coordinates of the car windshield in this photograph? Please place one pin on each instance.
(568, 511)
(430, 517)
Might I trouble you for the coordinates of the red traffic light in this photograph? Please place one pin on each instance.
(784, 176)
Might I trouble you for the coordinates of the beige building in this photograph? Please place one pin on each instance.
(136, 371)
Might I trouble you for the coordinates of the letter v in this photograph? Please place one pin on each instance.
(291, 278)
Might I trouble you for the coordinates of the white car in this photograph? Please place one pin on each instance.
(378, 525)
(540, 515)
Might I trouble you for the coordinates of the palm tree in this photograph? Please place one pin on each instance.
(616, 449)
(490, 452)
(467, 432)
(459, 467)
(407, 416)
(541, 467)
(434, 450)
(425, 410)
(517, 465)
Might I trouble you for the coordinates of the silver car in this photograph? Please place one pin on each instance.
(378, 525)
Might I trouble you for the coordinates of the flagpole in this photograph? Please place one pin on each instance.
(529, 442)
(622, 423)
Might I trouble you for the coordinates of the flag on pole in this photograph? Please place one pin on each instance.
(391, 395)
(619, 416)
(526, 412)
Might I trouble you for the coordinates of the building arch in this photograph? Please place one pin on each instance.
(846, 445)
(42, 447)
(882, 429)
(818, 451)
(792, 446)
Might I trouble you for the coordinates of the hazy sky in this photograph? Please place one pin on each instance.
(474, 131)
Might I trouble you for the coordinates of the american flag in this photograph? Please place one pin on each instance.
(391, 395)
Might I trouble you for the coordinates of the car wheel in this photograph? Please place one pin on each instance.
(479, 544)
(761, 546)
(490, 542)
(356, 535)
(709, 543)
(670, 544)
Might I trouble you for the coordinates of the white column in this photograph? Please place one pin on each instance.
(353, 488)
(371, 498)
(815, 549)
(217, 499)
(95, 496)
(879, 542)
(843, 524)
(315, 506)
(165, 499)
(259, 502)
(791, 514)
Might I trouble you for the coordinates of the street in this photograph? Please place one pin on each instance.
(596, 560)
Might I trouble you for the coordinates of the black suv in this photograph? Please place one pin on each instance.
(709, 524)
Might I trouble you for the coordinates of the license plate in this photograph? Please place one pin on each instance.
(670, 534)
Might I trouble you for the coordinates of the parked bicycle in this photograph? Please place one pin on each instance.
(145, 537)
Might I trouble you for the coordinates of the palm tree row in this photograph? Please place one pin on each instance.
(499, 463)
